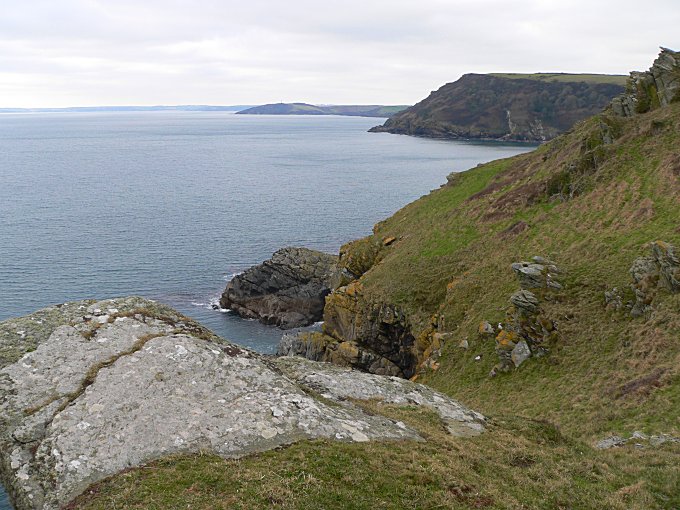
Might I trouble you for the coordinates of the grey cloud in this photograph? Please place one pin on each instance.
(78, 52)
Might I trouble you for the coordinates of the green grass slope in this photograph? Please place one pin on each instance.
(616, 79)
(589, 206)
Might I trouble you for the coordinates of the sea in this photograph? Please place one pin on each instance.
(171, 205)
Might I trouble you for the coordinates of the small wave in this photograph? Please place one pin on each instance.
(212, 304)
(230, 276)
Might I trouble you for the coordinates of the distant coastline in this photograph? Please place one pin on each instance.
(159, 108)
(372, 110)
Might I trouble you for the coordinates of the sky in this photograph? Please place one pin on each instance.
(58, 53)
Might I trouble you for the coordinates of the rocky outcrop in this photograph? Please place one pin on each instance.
(527, 330)
(287, 291)
(338, 384)
(660, 270)
(360, 333)
(523, 108)
(649, 90)
(90, 389)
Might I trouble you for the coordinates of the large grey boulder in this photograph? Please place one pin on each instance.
(287, 290)
(89, 389)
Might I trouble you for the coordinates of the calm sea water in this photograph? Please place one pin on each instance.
(170, 205)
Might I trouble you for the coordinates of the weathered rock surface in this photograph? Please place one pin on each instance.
(659, 270)
(638, 439)
(287, 291)
(338, 383)
(648, 90)
(89, 389)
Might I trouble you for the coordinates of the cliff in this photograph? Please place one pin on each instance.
(532, 108)
(308, 109)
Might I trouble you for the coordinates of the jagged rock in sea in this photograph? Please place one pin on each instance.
(287, 290)
(88, 389)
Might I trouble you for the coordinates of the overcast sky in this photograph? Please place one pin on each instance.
(57, 53)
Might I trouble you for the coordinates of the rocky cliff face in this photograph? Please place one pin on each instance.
(357, 330)
(480, 106)
(287, 291)
(649, 90)
(88, 389)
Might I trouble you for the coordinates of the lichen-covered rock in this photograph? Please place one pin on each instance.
(370, 329)
(527, 330)
(486, 330)
(115, 384)
(520, 353)
(668, 263)
(320, 347)
(287, 291)
(537, 275)
(337, 383)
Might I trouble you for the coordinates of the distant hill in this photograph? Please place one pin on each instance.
(518, 107)
(309, 109)
(180, 108)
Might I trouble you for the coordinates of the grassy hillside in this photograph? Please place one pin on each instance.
(608, 372)
(616, 79)
(309, 109)
(589, 200)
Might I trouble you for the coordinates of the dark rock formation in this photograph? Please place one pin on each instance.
(287, 291)
(89, 389)
(523, 108)
(649, 90)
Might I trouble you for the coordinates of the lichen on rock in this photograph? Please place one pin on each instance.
(661, 269)
(527, 330)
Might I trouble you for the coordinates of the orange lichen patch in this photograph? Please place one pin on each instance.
(354, 289)
(507, 339)
(457, 281)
